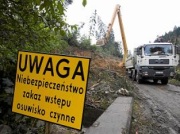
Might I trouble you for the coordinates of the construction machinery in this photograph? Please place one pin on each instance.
(156, 61)
(104, 41)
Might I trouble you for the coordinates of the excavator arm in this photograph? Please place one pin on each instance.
(104, 41)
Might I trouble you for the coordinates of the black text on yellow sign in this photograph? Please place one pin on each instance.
(51, 87)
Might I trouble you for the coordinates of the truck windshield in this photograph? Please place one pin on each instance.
(158, 49)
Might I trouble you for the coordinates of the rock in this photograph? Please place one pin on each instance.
(123, 91)
(32, 131)
(106, 92)
(5, 129)
(40, 123)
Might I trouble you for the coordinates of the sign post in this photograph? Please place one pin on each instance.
(51, 87)
(47, 128)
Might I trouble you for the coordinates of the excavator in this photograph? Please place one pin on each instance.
(104, 41)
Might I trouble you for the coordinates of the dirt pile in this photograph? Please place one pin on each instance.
(100, 61)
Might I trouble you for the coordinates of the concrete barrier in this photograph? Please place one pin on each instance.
(115, 120)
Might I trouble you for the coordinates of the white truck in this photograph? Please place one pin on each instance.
(156, 61)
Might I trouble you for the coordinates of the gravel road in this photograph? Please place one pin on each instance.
(161, 104)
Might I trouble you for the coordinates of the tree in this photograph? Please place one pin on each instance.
(98, 29)
(172, 36)
(36, 25)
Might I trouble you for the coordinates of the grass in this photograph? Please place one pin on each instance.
(174, 82)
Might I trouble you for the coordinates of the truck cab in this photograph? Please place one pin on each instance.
(156, 61)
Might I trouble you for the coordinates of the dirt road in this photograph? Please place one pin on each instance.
(161, 108)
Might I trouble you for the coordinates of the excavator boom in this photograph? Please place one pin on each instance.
(104, 41)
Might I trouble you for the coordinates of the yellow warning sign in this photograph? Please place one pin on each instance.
(51, 87)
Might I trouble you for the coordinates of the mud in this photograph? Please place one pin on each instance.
(160, 107)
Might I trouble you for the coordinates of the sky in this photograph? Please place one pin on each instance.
(143, 20)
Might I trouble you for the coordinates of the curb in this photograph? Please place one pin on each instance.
(115, 120)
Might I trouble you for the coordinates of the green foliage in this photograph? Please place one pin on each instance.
(33, 25)
(176, 79)
(92, 23)
(102, 29)
(85, 42)
(39, 25)
(113, 49)
(97, 27)
(98, 30)
(177, 76)
(72, 36)
(84, 3)
(171, 36)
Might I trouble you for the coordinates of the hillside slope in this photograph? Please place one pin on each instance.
(106, 82)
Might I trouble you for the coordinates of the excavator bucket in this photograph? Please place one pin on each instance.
(100, 42)
(121, 65)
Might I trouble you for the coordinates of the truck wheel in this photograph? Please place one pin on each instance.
(133, 74)
(130, 76)
(138, 79)
(164, 81)
(133, 77)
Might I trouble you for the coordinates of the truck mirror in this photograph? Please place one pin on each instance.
(139, 51)
(178, 49)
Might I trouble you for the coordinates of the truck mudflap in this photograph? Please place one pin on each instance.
(157, 72)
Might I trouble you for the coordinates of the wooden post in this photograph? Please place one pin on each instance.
(47, 128)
